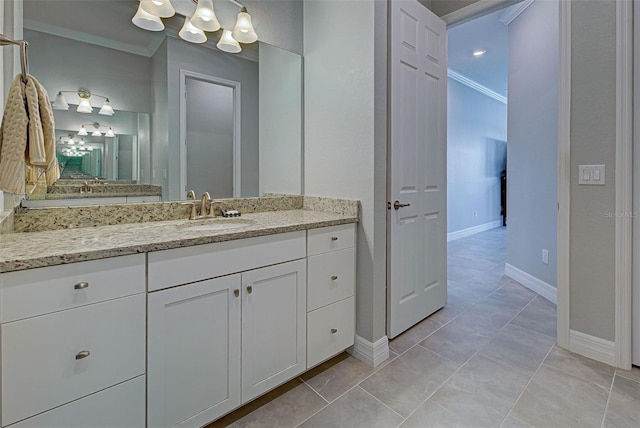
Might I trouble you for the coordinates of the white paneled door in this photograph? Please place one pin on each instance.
(417, 282)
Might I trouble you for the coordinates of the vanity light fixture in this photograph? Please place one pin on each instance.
(147, 21)
(191, 33)
(90, 148)
(243, 31)
(109, 133)
(83, 131)
(227, 43)
(159, 8)
(81, 142)
(96, 130)
(203, 19)
(84, 105)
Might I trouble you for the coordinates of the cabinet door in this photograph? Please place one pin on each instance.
(193, 352)
(273, 326)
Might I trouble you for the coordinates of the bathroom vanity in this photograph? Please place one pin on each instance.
(193, 318)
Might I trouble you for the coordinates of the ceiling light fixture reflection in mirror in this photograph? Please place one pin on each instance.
(140, 73)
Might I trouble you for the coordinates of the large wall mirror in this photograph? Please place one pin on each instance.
(186, 116)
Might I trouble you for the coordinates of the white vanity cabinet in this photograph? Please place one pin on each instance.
(331, 288)
(216, 343)
(73, 344)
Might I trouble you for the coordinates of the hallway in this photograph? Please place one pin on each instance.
(487, 359)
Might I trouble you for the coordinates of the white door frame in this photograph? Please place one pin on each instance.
(237, 140)
(623, 176)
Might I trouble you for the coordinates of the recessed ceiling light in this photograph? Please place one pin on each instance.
(479, 52)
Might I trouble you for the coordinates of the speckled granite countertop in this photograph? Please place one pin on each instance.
(19, 251)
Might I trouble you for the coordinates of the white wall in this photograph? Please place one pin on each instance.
(533, 140)
(476, 155)
(280, 109)
(341, 151)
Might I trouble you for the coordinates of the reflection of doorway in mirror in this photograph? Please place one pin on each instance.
(210, 129)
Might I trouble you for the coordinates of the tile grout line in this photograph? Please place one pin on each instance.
(526, 386)
(381, 402)
(606, 407)
(314, 390)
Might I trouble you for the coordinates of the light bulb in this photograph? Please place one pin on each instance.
(243, 31)
(160, 8)
(190, 33)
(147, 21)
(60, 103)
(84, 106)
(106, 109)
(227, 43)
(204, 17)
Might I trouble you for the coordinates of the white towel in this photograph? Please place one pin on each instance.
(27, 135)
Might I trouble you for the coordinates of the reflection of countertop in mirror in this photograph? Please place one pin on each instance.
(19, 251)
(104, 191)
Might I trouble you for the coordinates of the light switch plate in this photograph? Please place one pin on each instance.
(591, 175)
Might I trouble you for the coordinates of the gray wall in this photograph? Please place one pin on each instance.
(342, 139)
(191, 57)
(476, 155)
(65, 64)
(593, 134)
(533, 140)
(278, 23)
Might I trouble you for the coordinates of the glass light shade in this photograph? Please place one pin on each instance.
(84, 106)
(243, 31)
(90, 148)
(160, 8)
(96, 133)
(190, 33)
(227, 43)
(106, 109)
(110, 133)
(60, 103)
(71, 142)
(82, 149)
(81, 142)
(147, 21)
(204, 17)
(83, 131)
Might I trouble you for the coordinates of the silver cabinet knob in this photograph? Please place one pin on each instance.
(250, 289)
(236, 292)
(334, 238)
(334, 277)
(334, 330)
(81, 285)
(82, 354)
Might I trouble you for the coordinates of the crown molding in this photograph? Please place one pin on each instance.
(514, 11)
(475, 85)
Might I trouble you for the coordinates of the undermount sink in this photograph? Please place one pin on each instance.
(217, 224)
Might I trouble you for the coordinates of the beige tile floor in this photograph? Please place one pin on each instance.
(487, 359)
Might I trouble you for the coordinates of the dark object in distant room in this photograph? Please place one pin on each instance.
(503, 196)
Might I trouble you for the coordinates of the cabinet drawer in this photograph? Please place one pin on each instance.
(331, 277)
(119, 406)
(330, 238)
(41, 362)
(190, 264)
(50, 289)
(330, 330)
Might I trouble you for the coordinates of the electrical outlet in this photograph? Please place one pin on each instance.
(545, 256)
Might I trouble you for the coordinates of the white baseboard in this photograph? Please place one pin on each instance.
(592, 347)
(534, 284)
(371, 353)
(473, 230)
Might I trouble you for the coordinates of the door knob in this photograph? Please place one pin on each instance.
(397, 205)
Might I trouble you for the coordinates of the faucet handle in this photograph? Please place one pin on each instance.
(191, 195)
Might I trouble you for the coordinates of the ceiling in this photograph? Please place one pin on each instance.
(484, 33)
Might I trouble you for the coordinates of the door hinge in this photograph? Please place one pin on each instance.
(388, 205)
